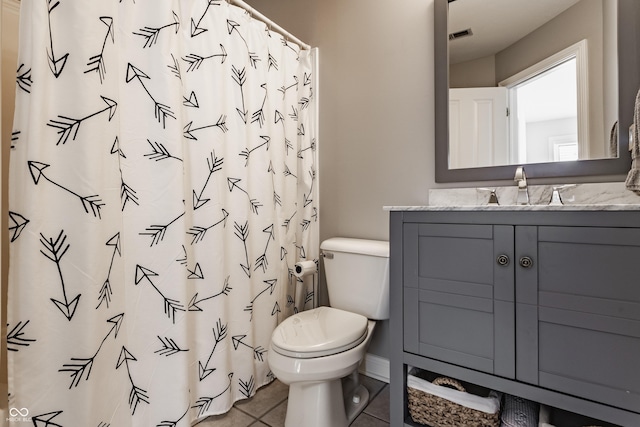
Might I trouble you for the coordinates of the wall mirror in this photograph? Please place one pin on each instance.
(489, 62)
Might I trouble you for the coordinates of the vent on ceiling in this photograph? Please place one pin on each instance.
(460, 34)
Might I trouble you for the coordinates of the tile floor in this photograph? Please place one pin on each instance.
(268, 407)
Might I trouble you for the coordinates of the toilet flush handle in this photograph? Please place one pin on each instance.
(327, 255)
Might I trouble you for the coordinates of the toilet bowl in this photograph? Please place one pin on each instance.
(313, 351)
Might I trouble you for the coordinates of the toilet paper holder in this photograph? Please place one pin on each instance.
(305, 268)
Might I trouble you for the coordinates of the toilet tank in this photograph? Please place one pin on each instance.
(357, 273)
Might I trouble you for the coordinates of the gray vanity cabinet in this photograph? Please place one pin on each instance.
(544, 305)
(578, 312)
(458, 301)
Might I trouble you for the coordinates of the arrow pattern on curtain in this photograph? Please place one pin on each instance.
(185, 130)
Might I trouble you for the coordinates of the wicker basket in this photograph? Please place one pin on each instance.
(435, 411)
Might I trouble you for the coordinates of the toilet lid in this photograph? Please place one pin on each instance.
(319, 332)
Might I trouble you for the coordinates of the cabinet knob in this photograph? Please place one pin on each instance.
(502, 260)
(526, 262)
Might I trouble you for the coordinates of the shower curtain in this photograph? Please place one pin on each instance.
(162, 187)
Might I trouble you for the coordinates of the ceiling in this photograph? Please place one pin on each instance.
(496, 24)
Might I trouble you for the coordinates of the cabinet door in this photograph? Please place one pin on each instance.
(587, 315)
(458, 300)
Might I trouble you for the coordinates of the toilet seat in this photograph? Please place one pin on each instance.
(319, 332)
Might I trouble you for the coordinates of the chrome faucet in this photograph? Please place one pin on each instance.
(523, 191)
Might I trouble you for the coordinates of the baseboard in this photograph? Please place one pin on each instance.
(375, 367)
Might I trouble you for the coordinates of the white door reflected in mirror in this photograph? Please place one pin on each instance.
(478, 127)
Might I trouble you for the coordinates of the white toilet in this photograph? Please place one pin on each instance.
(312, 351)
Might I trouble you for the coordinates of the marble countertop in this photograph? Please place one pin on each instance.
(610, 196)
(575, 207)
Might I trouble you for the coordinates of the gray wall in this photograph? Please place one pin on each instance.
(479, 72)
(376, 105)
(581, 21)
(376, 110)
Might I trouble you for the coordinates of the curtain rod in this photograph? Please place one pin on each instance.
(272, 25)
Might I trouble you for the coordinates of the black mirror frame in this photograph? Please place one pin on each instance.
(628, 84)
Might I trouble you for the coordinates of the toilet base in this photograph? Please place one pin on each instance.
(316, 404)
(326, 403)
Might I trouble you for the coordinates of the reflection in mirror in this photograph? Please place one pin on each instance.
(577, 39)
(537, 70)
(544, 117)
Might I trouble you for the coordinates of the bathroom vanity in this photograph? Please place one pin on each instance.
(541, 302)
